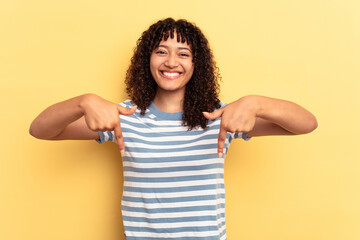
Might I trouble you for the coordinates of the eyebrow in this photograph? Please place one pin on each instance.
(181, 48)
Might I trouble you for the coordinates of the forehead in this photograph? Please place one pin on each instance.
(173, 42)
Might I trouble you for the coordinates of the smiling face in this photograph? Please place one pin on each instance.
(171, 66)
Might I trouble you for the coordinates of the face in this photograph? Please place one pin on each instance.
(171, 65)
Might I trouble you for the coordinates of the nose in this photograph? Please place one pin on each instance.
(171, 61)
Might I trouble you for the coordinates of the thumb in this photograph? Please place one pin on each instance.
(214, 115)
(126, 111)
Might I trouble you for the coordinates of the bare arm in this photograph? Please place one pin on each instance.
(261, 116)
(79, 118)
(50, 123)
(280, 117)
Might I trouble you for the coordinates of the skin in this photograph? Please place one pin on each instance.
(83, 116)
(262, 116)
(171, 67)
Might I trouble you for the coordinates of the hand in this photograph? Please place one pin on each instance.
(102, 115)
(238, 116)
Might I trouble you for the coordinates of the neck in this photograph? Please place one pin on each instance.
(168, 101)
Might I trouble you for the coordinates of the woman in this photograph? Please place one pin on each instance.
(176, 133)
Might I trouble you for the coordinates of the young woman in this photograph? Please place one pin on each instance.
(173, 134)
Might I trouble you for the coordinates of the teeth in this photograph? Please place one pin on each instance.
(171, 74)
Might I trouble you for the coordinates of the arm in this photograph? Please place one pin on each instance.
(80, 118)
(262, 116)
(280, 117)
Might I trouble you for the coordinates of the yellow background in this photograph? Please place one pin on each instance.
(278, 188)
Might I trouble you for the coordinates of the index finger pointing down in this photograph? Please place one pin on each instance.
(221, 141)
(119, 139)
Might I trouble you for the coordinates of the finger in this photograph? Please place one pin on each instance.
(119, 139)
(221, 141)
(214, 115)
(126, 111)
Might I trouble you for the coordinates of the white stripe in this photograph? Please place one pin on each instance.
(174, 174)
(173, 215)
(180, 129)
(175, 146)
(159, 127)
(171, 154)
(174, 194)
(106, 136)
(171, 163)
(173, 235)
(173, 205)
(173, 184)
(156, 122)
(175, 224)
(171, 138)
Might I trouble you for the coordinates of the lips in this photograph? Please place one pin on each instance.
(170, 75)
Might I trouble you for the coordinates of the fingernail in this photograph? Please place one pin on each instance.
(220, 154)
(122, 151)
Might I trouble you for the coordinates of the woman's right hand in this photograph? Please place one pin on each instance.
(80, 118)
(102, 115)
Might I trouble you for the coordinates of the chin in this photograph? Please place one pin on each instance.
(169, 88)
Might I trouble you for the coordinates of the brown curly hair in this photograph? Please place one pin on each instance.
(201, 92)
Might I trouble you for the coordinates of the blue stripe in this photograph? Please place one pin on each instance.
(245, 136)
(169, 143)
(174, 209)
(174, 169)
(174, 200)
(175, 189)
(110, 135)
(228, 135)
(174, 220)
(174, 230)
(183, 149)
(102, 137)
(200, 157)
(174, 179)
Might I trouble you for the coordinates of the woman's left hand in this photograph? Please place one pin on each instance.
(238, 116)
(262, 116)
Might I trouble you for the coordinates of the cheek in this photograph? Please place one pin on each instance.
(191, 68)
(153, 66)
(188, 65)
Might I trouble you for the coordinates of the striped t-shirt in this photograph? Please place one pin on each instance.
(173, 178)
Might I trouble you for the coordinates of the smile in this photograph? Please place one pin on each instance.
(170, 75)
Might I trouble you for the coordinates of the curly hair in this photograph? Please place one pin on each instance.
(201, 92)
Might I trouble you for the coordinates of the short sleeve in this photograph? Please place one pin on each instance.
(243, 135)
(107, 136)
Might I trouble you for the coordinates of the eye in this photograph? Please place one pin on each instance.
(160, 52)
(184, 55)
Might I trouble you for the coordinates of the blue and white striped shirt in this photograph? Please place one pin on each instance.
(173, 178)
